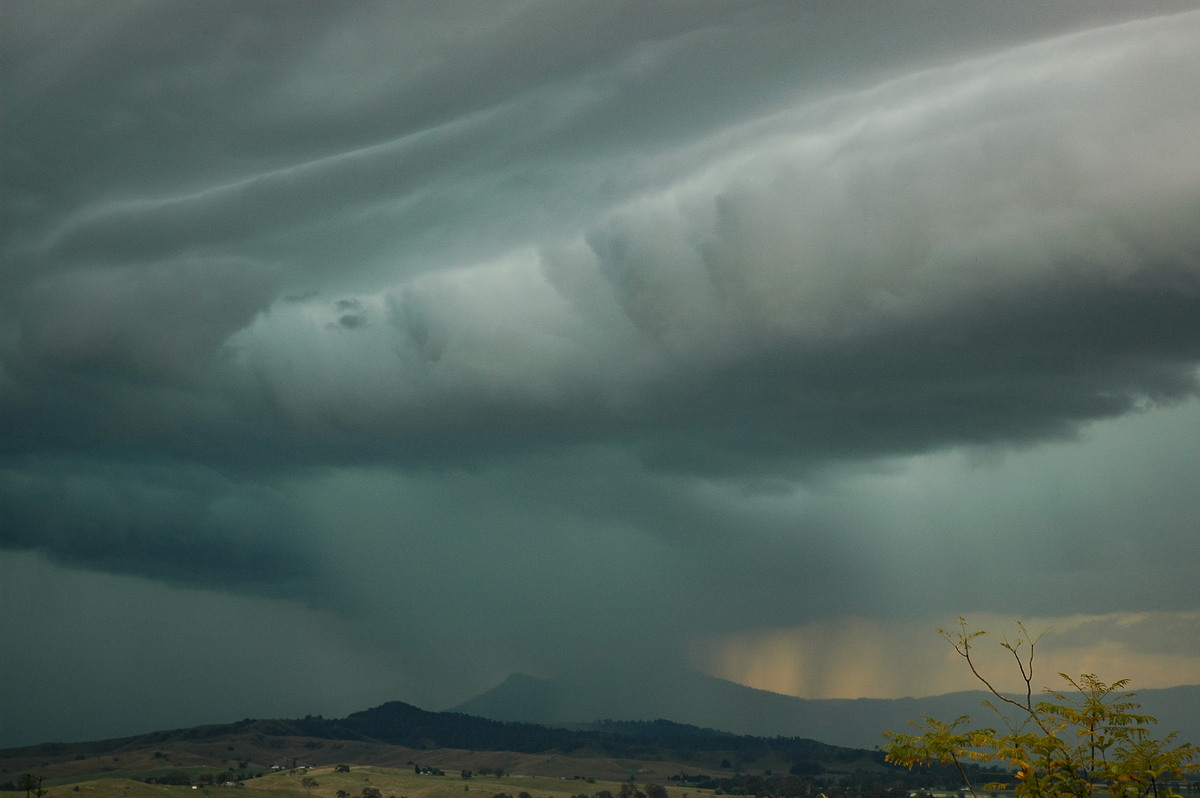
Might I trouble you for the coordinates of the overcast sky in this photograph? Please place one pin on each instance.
(353, 352)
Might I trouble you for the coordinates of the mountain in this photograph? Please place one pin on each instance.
(394, 723)
(690, 697)
(396, 734)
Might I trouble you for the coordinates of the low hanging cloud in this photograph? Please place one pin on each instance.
(958, 257)
(967, 255)
(178, 523)
(151, 324)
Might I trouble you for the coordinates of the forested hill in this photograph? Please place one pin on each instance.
(397, 723)
(402, 724)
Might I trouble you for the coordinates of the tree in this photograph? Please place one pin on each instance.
(32, 785)
(1088, 741)
(308, 782)
(176, 777)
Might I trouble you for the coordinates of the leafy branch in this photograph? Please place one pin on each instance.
(1089, 741)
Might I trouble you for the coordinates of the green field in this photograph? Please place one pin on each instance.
(400, 783)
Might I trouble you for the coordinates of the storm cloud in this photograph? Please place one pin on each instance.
(523, 336)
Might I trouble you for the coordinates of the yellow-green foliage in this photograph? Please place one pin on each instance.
(1088, 741)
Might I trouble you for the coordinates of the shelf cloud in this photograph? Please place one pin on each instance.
(480, 340)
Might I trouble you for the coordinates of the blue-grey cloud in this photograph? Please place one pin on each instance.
(556, 332)
(180, 524)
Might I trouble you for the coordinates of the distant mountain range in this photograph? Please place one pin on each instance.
(694, 698)
(599, 723)
(395, 734)
(731, 737)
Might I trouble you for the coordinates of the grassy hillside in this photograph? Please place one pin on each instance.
(398, 782)
(385, 746)
(396, 734)
(262, 763)
(254, 754)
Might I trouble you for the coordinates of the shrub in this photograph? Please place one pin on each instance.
(1084, 742)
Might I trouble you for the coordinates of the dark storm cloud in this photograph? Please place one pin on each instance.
(289, 120)
(961, 256)
(1176, 635)
(549, 330)
(178, 524)
(1012, 366)
(156, 323)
